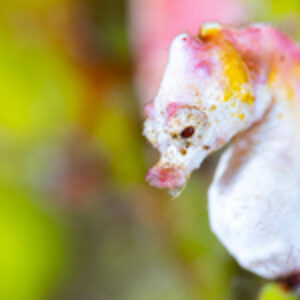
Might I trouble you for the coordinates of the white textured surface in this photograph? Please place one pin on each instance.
(254, 200)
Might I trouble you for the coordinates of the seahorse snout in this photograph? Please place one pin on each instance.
(166, 177)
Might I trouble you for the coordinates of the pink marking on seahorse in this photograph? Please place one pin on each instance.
(172, 109)
(149, 110)
(166, 177)
(193, 43)
(204, 66)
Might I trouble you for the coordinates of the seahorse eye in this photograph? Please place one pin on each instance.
(187, 132)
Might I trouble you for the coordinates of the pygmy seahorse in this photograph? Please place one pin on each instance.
(241, 83)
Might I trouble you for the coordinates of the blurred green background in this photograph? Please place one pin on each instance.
(77, 220)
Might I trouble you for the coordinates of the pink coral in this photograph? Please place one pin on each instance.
(154, 24)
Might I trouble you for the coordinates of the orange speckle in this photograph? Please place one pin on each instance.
(206, 32)
(272, 77)
(212, 108)
(183, 151)
(209, 29)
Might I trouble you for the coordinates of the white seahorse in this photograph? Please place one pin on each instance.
(244, 84)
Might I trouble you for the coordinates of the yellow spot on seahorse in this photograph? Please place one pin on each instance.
(272, 76)
(236, 76)
(290, 93)
(235, 72)
(241, 116)
(282, 83)
(209, 29)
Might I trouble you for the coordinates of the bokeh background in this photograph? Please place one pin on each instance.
(77, 220)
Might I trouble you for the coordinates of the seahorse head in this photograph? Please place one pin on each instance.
(204, 99)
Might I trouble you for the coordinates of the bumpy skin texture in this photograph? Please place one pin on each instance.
(244, 83)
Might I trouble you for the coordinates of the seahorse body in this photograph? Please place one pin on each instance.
(254, 200)
(243, 83)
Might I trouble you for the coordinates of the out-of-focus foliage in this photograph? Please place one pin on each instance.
(77, 220)
(283, 14)
(274, 292)
(114, 126)
(36, 88)
(33, 250)
(38, 85)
